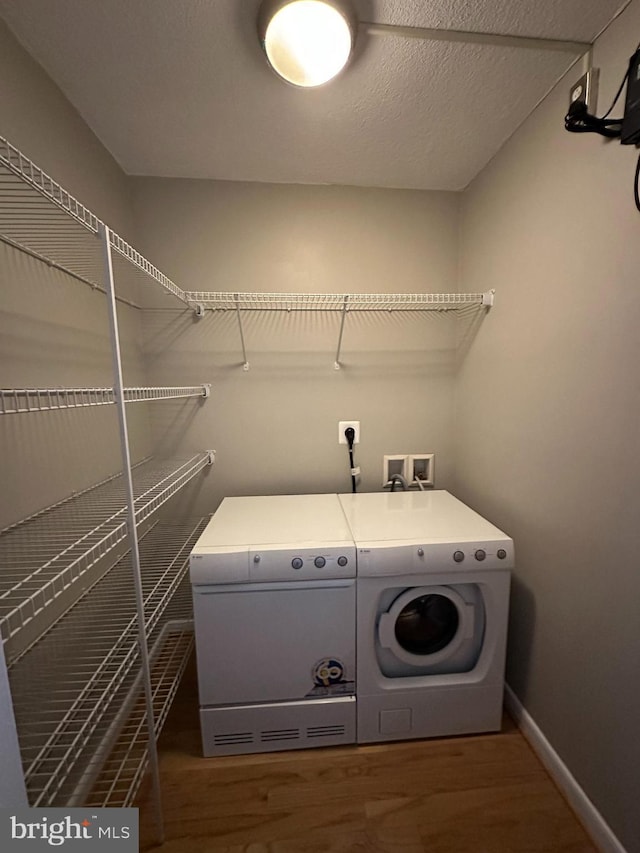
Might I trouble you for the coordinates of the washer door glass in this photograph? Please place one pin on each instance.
(427, 624)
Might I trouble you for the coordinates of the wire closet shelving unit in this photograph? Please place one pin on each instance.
(95, 607)
(342, 303)
(98, 564)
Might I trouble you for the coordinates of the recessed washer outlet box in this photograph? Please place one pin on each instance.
(395, 463)
(421, 469)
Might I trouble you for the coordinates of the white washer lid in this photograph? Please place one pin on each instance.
(285, 521)
(434, 516)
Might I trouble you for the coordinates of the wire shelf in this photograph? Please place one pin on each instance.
(43, 556)
(78, 692)
(71, 605)
(125, 767)
(336, 301)
(141, 263)
(42, 218)
(22, 400)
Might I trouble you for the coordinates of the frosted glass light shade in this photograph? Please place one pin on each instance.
(307, 42)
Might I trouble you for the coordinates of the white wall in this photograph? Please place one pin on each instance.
(275, 427)
(547, 415)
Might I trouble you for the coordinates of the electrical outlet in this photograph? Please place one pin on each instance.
(586, 90)
(342, 426)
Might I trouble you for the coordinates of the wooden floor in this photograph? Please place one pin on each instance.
(481, 794)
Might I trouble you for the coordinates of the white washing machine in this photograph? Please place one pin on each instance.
(432, 610)
(273, 582)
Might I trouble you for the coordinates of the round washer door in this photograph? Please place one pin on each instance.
(426, 625)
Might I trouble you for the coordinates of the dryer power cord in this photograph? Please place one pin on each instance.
(350, 435)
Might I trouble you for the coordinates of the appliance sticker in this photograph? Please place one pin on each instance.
(330, 679)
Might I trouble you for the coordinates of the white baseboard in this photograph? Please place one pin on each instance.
(593, 822)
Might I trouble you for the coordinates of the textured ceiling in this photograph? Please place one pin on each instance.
(181, 89)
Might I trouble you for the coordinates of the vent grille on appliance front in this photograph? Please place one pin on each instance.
(279, 734)
(232, 738)
(325, 731)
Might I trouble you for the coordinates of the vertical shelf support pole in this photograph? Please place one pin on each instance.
(118, 388)
(336, 364)
(245, 366)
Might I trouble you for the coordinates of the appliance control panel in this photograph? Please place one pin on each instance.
(395, 558)
(265, 563)
(300, 564)
(492, 558)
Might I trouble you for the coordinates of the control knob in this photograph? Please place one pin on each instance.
(296, 563)
(458, 556)
(342, 561)
(480, 554)
(501, 553)
(319, 562)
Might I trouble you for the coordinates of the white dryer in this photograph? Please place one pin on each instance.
(273, 582)
(432, 611)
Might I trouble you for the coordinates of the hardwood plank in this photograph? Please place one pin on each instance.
(479, 794)
(515, 817)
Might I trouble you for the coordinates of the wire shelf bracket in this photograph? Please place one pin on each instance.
(245, 365)
(345, 308)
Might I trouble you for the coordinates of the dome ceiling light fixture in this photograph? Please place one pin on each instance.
(309, 42)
